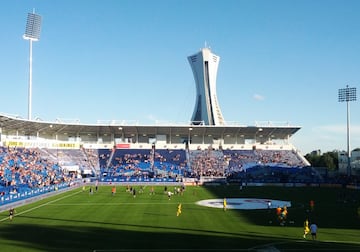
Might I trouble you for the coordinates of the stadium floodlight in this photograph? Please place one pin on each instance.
(189, 137)
(32, 33)
(347, 95)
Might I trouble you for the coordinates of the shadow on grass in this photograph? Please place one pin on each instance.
(82, 238)
(329, 212)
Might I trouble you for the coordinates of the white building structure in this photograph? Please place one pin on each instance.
(204, 66)
(354, 162)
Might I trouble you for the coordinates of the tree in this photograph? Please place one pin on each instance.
(328, 159)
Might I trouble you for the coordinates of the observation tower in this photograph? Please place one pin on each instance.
(204, 65)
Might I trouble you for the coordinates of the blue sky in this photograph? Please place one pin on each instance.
(280, 61)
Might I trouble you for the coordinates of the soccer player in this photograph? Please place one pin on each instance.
(306, 228)
(283, 216)
(313, 230)
(96, 185)
(83, 188)
(152, 191)
(178, 210)
(169, 193)
(11, 213)
(224, 204)
(113, 190)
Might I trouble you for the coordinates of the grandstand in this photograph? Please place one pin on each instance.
(160, 153)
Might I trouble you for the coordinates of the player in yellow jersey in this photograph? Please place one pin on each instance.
(178, 210)
(224, 204)
(306, 228)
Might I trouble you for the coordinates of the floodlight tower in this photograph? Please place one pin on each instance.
(346, 95)
(32, 33)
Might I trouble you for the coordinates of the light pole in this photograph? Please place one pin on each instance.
(189, 137)
(32, 33)
(346, 95)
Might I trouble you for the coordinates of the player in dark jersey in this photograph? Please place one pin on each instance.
(11, 213)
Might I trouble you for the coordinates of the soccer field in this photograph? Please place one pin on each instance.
(79, 221)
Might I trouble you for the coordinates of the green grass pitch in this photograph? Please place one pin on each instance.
(78, 221)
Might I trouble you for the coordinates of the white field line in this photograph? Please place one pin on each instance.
(42, 205)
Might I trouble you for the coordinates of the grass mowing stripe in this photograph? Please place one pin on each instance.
(39, 206)
(116, 204)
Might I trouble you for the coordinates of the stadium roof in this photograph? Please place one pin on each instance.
(17, 126)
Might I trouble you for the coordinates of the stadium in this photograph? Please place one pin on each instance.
(113, 186)
(206, 149)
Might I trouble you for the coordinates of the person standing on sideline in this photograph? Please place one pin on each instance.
(313, 230)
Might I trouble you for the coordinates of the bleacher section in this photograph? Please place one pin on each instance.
(145, 164)
(268, 166)
(239, 160)
(275, 174)
(207, 162)
(104, 156)
(24, 170)
(25, 173)
(86, 161)
(171, 163)
(142, 164)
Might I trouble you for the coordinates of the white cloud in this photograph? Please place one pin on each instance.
(258, 97)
